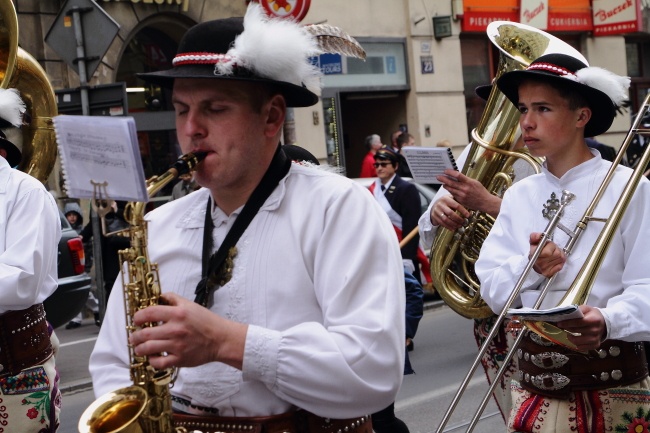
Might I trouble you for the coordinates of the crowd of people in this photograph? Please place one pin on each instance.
(265, 316)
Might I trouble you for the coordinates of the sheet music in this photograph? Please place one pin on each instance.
(100, 149)
(426, 163)
(555, 314)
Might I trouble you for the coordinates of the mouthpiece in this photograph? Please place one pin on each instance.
(188, 162)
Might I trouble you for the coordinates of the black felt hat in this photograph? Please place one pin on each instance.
(483, 92)
(603, 90)
(266, 51)
(299, 154)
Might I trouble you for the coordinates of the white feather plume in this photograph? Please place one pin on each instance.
(611, 84)
(274, 48)
(12, 106)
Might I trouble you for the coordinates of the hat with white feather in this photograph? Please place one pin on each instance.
(256, 48)
(12, 109)
(604, 91)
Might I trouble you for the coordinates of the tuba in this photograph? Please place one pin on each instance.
(144, 407)
(489, 161)
(19, 70)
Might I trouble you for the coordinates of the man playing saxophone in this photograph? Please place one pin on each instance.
(605, 387)
(292, 324)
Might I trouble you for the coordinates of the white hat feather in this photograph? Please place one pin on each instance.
(12, 106)
(611, 84)
(276, 49)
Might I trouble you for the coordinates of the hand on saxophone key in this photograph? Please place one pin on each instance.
(588, 332)
(552, 258)
(187, 334)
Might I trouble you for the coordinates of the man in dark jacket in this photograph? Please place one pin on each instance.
(401, 201)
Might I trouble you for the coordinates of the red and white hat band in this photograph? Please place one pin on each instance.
(201, 59)
(554, 69)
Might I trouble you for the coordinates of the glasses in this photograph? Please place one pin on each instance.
(381, 164)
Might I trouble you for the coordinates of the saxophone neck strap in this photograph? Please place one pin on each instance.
(216, 267)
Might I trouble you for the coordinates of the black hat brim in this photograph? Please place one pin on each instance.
(295, 96)
(483, 92)
(602, 108)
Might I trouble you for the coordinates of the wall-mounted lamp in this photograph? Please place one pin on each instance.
(457, 9)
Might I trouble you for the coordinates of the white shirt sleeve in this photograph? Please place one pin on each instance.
(425, 226)
(28, 262)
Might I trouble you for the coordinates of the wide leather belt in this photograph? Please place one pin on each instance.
(555, 371)
(24, 340)
(292, 422)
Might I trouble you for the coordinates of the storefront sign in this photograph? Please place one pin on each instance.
(329, 64)
(614, 17)
(534, 13)
(184, 3)
(477, 14)
(569, 16)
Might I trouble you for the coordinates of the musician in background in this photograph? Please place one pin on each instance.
(401, 202)
(605, 388)
(456, 197)
(31, 229)
(294, 318)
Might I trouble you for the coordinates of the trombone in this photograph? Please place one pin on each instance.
(580, 289)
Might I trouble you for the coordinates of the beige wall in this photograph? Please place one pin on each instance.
(360, 17)
(609, 53)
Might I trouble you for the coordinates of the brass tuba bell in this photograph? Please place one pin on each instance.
(489, 161)
(19, 70)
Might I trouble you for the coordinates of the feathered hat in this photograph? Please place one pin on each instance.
(257, 48)
(604, 91)
(12, 109)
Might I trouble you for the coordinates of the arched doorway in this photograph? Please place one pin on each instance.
(152, 48)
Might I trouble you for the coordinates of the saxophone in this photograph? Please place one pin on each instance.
(144, 407)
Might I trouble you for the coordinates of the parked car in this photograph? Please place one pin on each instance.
(74, 283)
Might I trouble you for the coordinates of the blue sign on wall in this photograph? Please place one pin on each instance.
(329, 64)
(391, 65)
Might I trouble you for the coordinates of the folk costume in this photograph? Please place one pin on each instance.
(609, 390)
(31, 400)
(325, 321)
(308, 309)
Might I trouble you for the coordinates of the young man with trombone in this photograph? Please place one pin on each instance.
(595, 378)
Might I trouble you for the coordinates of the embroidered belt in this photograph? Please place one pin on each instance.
(292, 422)
(555, 371)
(24, 340)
